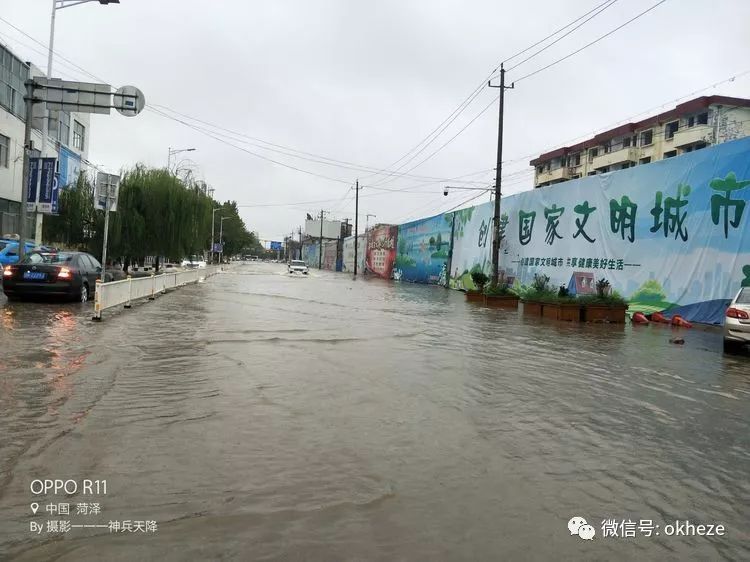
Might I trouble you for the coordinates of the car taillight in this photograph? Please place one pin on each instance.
(8, 271)
(64, 273)
(737, 313)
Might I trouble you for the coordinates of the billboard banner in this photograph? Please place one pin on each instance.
(34, 165)
(331, 229)
(472, 245)
(423, 248)
(381, 250)
(671, 235)
(47, 184)
(311, 254)
(70, 167)
(276, 246)
(348, 254)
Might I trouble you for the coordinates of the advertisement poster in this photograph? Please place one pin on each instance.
(672, 235)
(70, 167)
(381, 250)
(348, 254)
(472, 245)
(310, 254)
(330, 251)
(423, 248)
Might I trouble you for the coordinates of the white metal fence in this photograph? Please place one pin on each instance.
(125, 291)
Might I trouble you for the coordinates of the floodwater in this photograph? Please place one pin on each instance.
(260, 416)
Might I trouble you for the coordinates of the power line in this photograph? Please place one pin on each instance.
(587, 45)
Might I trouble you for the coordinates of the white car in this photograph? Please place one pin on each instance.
(297, 266)
(194, 262)
(737, 321)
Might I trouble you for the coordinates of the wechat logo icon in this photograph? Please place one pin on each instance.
(579, 526)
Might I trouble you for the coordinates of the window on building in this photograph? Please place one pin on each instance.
(574, 160)
(608, 147)
(700, 145)
(79, 132)
(540, 169)
(64, 128)
(603, 169)
(647, 137)
(4, 151)
(626, 165)
(670, 154)
(593, 153)
(592, 173)
(691, 121)
(670, 129)
(702, 118)
(645, 160)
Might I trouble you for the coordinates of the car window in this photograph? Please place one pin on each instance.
(94, 262)
(3, 244)
(59, 258)
(744, 296)
(33, 258)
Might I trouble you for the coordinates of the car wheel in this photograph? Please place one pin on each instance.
(84, 293)
(731, 346)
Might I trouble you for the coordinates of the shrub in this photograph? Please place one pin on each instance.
(500, 290)
(540, 283)
(563, 291)
(602, 287)
(480, 279)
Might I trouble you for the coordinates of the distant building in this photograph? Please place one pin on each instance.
(68, 139)
(690, 126)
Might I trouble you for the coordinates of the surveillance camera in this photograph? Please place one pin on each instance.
(445, 192)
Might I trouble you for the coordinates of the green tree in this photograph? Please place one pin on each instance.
(650, 291)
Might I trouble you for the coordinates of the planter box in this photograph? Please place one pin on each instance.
(532, 308)
(501, 301)
(565, 312)
(604, 313)
(474, 296)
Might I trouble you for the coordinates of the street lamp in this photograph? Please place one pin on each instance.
(56, 5)
(213, 219)
(221, 237)
(172, 152)
(447, 187)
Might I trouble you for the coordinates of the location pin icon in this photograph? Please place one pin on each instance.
(34, 507)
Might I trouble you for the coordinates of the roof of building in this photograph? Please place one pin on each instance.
(681, 109)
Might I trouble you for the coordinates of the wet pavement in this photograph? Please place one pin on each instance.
(260, 416)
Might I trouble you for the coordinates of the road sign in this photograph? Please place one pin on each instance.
(276, 245)
(107, 187)
(218, 248)
(83, 97)
(129, 101)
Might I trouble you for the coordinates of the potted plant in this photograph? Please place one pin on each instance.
(562, 306)
(500, 295)
(479, 278)
(534, 298)
(605, 306)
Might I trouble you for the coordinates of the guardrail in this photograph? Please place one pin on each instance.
(125, 291)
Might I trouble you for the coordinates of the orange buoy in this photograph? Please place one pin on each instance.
(639, 318)
(678, 320)
(659, 317)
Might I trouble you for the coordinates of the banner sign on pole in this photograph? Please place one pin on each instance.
(46, 185)
(33, 182)
(56, 195)
(218, 247)
(276, 245)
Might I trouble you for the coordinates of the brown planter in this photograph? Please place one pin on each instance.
(532, 308)
(562, 311)
(604, 313)
(501, 301)
(474, 296)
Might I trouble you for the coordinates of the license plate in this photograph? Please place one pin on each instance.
(34, 275)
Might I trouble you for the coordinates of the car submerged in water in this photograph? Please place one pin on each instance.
(298, 266)
(194, 262)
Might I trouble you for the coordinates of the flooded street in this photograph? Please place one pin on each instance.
(260, 416)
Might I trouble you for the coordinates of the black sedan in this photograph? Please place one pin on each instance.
(71, 275)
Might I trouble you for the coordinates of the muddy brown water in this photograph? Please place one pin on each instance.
(259, 416)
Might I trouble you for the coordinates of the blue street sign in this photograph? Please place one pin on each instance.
(276, 245)
(56, 195)
(218, 248)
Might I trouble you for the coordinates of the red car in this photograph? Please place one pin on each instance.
(71, 275)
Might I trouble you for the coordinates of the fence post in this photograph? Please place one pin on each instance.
(98, 301)
(153, 286)
(130, 293)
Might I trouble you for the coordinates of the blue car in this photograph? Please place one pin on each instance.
(9, 251)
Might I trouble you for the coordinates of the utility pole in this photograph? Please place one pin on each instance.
(498, 177)
(320, 253)
(26, 168)
(356, 226)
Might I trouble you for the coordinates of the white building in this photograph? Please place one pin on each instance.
(68, 139)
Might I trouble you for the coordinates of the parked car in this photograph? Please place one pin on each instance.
(737, 321)
(297, 266)
(9, 251)
(70, 275)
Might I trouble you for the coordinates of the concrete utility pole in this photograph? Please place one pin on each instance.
(498, 176)
(221, 237)
(320, 253)
(213, 223)
(26, 168)
(356, 226)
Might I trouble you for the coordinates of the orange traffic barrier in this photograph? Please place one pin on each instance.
(678, 320)
(659, 317)
(639, 318)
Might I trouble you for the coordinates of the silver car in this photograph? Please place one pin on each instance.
(297, 266)
(737, 321)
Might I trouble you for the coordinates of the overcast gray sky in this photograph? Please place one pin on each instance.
(364, 82)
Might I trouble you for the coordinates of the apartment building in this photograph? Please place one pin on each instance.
(692, 125)
(68, 138)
